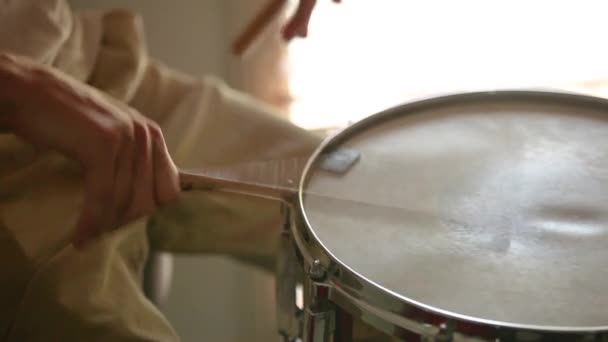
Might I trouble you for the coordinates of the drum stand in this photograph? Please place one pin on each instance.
(316, 321)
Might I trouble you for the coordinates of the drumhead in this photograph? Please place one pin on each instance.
(491, 207)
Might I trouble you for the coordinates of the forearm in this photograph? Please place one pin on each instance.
(211, 124)
(221, 224)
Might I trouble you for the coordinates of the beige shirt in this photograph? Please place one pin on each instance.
(49, 291)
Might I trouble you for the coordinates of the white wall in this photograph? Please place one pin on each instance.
(189, 35)
(211, 299)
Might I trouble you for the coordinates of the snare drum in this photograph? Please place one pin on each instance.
(470, 217)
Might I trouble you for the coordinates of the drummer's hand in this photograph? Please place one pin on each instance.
(128, 171)
(297, 26)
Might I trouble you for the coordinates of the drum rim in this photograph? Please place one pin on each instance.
(375, 292)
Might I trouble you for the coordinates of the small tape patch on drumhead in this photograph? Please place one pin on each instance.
(339, 161)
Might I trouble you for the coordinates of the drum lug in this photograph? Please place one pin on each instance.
(319, 325)
(317, 272)
(289, 316)
(445, 333)
(320, 313)
(316, 323)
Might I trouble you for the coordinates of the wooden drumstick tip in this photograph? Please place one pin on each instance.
(256, 26)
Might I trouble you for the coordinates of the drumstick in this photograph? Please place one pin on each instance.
(200, 180)
(246, 38)
(277, 179)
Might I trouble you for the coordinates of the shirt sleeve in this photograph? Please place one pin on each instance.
(205, 122)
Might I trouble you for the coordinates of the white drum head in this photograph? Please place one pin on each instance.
(494, 209)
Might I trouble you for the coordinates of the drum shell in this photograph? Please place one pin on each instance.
(388, 312)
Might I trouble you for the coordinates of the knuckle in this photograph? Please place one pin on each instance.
(114, 129)
(40, 75)
(140, 131)
(125, 132)
(109, 139)
(44, 81)
(112, 135)
(129, 134)
(155, 131)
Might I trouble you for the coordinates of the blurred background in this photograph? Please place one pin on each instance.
(361, 56)
(375, 54)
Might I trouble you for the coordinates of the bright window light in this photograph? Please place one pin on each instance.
(363, 56)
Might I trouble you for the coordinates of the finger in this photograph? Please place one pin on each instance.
(143, 196)
(96, 211)
(166, 175)
(298, 24)
(112, 174)
(124, 176)
(99, 156)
